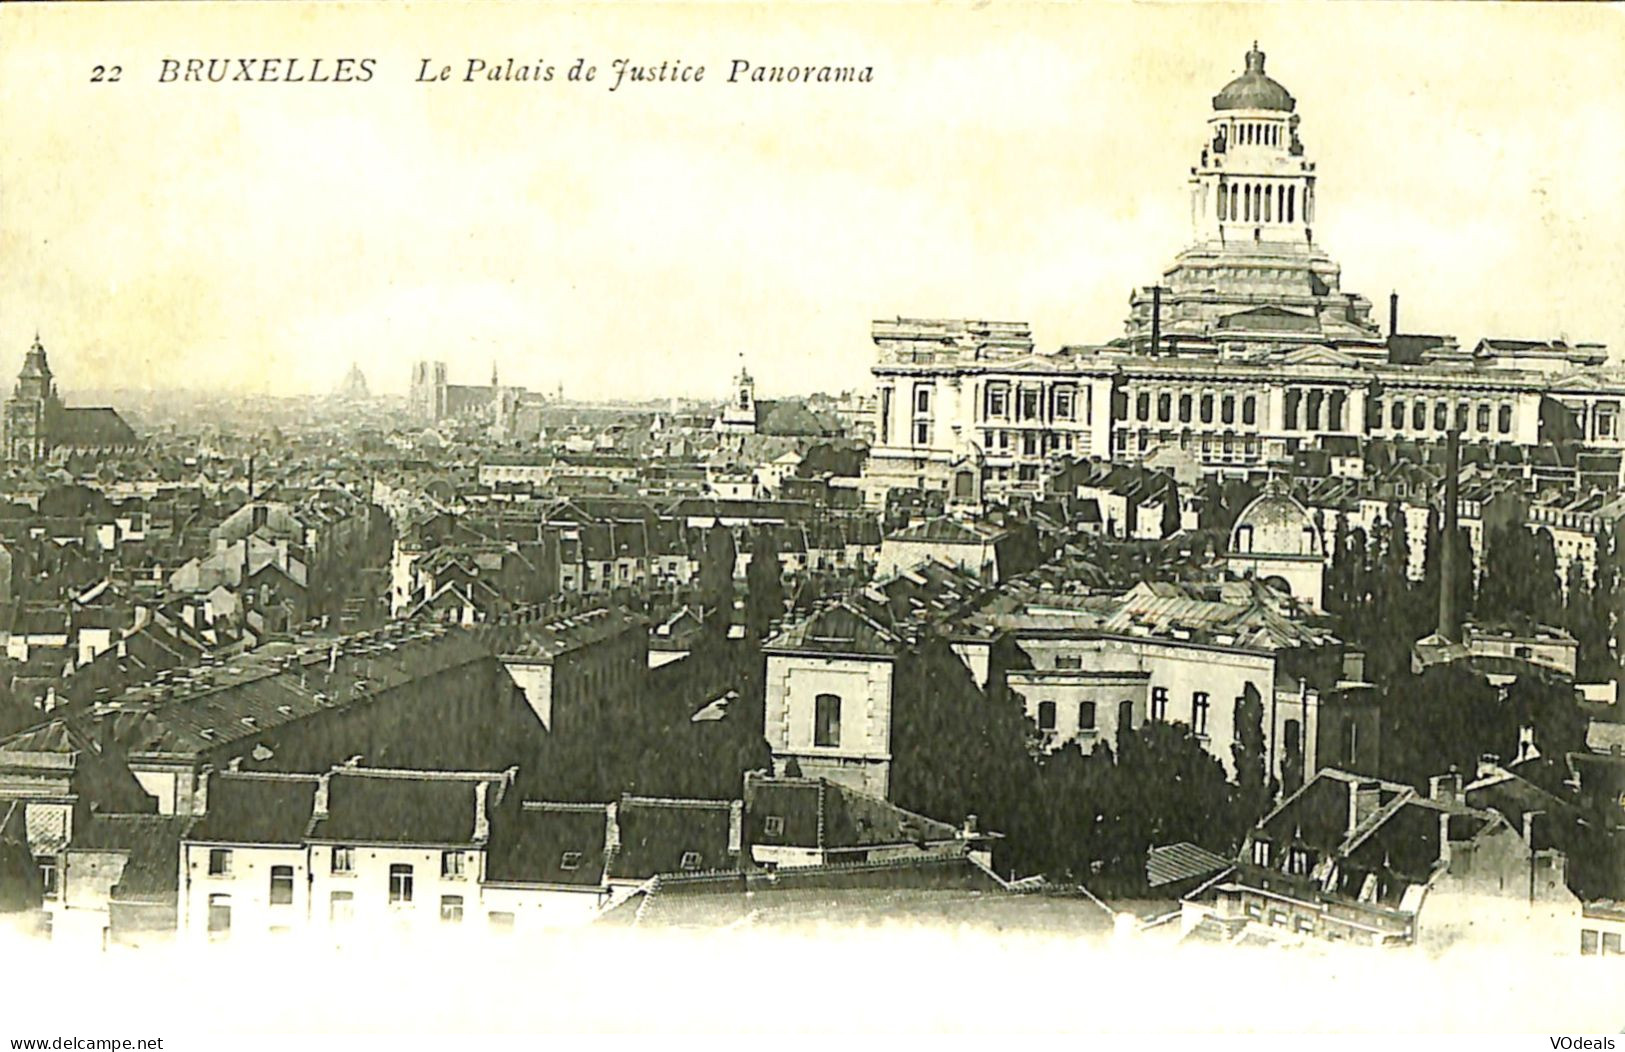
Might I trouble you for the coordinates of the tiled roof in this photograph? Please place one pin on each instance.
(657, 835)
(256, 808)
(1173, 863)
(368, 805)
(531, 844)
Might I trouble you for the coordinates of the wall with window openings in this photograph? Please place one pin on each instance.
(242, 892)
(833, 715)
(1181, 682)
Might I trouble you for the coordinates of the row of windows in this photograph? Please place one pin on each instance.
(1608, 943)
(1254, 133)
(1200, 706)
(1189, 407)
(1313, 407)
(341, 909)
(1029, 402)
(453, 866)
(1086, 715)
(1031, 443)
(1263, 203)
(1225, 446)
(1418, 415)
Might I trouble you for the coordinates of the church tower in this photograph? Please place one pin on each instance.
(1254, 275)
(30, 408)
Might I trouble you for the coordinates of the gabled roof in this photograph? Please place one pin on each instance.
(837, 629)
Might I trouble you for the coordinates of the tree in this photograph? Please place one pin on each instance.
(1449, 716)
(716, 578)
(764, 584)
(1171, 522)
(1253, 790)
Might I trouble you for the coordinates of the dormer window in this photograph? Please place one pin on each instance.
(691, 860)
(570, 861)
(1261, 853)
(773, 825)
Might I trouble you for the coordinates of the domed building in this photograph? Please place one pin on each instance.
(1277, 541)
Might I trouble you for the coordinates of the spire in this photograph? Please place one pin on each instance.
(493, 372)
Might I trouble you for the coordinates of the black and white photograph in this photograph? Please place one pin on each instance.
(961, 519)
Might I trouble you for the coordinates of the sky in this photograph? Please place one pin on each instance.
(1009, 161)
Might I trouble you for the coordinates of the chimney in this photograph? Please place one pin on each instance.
(482, 817)
(612, 829)
(1156, 320)
(969, 831)
(1393, 313)
(1445, 788)
(318, 806)
(1444, 837)
(1449, 597)
(736, 826)
(1365, 798)
(200, 790)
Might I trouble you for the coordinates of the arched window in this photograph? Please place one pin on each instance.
(1441, 416)
(1505, 420)
(1461, 416)
(827, 721)
(1086, 715)
(1227, 409)
(1484, 417)
(1246, 203)
(1142, 406)
(1249, 410)
(1223, 203)
(1313, 412)
(1396, 417)
(1184, 409)
(1207, 409)
(1419, 415)
(1046, 715)
(1291, 204)
(1293, 398)
(1125, 716)
(1335, 411)
(1269, 201)
(1165, 406)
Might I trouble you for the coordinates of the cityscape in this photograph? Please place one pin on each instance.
(1265, 621)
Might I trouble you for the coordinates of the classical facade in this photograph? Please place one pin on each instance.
(39, 427)
(1247, 350)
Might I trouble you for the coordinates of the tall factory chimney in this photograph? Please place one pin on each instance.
(1393, 313)
(1156, 320)
(1449, 595)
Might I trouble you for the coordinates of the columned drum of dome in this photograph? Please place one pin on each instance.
(1253, 212)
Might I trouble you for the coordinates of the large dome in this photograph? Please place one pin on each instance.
(1253, 90)
(1276, 524)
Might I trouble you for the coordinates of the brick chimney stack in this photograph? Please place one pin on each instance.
(1365, 799)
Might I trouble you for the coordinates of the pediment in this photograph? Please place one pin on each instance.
(1319, 354)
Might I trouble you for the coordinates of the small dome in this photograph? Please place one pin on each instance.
(1253, 90)
(1276, 524)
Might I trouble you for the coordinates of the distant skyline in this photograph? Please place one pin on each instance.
(1023, 163)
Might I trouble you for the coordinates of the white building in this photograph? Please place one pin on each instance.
(1245, 351)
